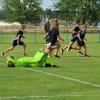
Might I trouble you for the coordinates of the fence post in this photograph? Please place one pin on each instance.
(67, 37)
(99, 34)
(35, 36)
(1, 36)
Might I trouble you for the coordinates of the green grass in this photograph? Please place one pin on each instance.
(42, 83)
(30, 37)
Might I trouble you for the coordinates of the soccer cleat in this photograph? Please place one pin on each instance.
(62, 51)
(69, 48)
(57, 56)
(2, 54)
(48, 65)
(80, 52)
(24, 54)
(86, 55)
(54, 65)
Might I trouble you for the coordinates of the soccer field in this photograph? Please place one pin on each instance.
(75, 78)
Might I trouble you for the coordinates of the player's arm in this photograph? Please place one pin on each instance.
(79, 36)
(60, 38)
(45, 35)
(45, 26)
(23, 37)
(18, 38)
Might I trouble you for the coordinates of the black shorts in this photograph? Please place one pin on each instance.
(73, 39)
(53, 43)
(80, 43)
(14, 43)
(47, 40)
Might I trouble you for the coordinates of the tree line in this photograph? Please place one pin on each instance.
(30, 11)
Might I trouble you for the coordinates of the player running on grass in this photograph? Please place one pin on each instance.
(17, 41)
(47, 28)
(74, 36)
(54, 37)
(40, 59)
(81, 44)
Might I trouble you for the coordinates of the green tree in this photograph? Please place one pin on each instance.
(90, 11)
(22, 10)
(87, 10)
(1, 15)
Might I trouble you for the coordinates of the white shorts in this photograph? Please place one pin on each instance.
(48, 44)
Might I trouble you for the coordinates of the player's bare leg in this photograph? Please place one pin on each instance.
(69, 46)
(6, 50)
(57, 50)
(24, 49)
(85, 51)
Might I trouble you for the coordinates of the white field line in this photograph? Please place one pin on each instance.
(55, 96)
(52, 96)
(64, 77)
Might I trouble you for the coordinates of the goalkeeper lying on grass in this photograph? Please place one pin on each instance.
(41, 58)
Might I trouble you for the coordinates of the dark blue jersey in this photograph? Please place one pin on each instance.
(20, 34)
(76, 30)
(82, 34)
(53, 34)
(75, 34)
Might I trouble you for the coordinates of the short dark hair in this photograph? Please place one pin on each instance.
(9, 64)
(23, 26)
(77, 29)
(77, 20)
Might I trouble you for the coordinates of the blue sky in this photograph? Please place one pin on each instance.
(47, 4)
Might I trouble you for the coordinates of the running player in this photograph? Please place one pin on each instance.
(47, 28)
(17, 41)
(74, 36)
(81, 44)
(54, 37)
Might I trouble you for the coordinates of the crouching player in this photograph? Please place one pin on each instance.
(40, 59)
